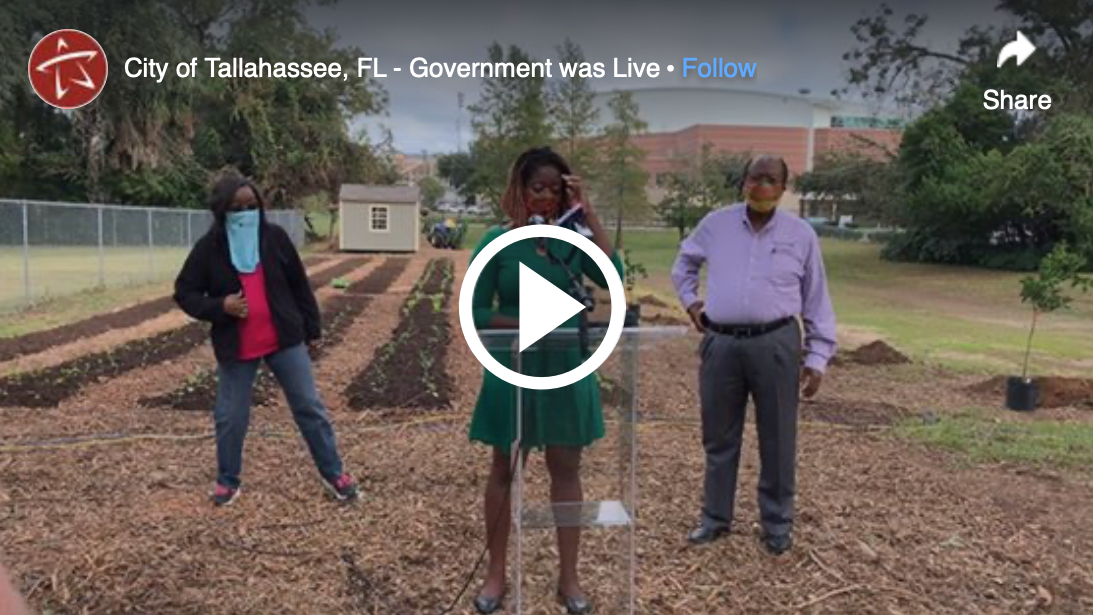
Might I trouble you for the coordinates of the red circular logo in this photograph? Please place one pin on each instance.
(67, 69)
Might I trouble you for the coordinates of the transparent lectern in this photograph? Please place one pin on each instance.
(608, 469)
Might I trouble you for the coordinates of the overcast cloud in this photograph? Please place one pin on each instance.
(795, 46)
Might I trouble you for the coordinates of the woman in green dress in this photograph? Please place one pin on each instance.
(562, 421)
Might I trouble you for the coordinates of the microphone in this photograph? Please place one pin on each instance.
(540, 242)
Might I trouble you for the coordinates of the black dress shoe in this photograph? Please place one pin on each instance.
(705, 535)
(574, 605)
(488, 604)
(778, 543)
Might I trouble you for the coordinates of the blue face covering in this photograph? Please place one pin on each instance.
(243, 239)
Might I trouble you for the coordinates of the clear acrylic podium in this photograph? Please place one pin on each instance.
(608, 472)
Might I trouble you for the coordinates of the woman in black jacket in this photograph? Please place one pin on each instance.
(245, 278)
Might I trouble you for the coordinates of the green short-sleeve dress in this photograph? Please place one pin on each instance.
(567, 416)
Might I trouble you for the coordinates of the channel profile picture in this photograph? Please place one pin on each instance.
(334, 307)
(67, 69)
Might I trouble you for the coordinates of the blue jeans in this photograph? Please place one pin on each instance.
(292, 368)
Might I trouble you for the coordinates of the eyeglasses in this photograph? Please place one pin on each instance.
(770, 178)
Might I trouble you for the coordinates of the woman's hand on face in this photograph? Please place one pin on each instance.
(575, 189)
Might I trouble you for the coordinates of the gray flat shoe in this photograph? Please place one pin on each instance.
(705, 535)
(574, 605)
(488, 604)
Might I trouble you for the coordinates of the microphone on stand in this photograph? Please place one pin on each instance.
(572, 221)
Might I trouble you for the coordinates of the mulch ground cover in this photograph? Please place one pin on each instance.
(408, 372)
(884, 525)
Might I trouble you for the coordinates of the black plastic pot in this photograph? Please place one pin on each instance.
(1021, 394)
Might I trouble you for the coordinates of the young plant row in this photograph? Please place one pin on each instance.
(409, 371)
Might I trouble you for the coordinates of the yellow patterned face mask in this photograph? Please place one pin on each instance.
(763, 197)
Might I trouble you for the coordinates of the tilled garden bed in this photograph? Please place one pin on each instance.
(325, 276)
(50, 386)
(409, 371)
(380, 280)
(40, 341)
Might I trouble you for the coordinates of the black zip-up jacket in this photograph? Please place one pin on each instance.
(208, 276)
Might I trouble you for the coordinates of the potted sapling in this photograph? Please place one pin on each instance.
(1046, 293)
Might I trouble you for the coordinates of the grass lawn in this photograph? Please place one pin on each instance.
(981, 439)
(60, 271)
(965, 318)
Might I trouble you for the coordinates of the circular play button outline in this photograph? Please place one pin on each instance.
(614, 325)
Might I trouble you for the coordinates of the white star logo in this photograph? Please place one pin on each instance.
(77, 57)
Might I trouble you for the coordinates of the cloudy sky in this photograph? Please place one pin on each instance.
(795, 45)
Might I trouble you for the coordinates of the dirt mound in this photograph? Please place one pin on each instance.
(1055, 391)
(665, 319)
(652, 301)
(877, 353)
(992, 386)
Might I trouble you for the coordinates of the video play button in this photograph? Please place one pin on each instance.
(543, 307)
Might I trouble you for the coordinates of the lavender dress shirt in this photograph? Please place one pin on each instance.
(756, 278)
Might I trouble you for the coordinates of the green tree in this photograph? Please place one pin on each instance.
(458, 170)
(431, 191)
(699, 184)
(859, 182)
(573, 113)
(509, 117)
(890, 61)
(158, 143)
(1046, 292)
(622, 179)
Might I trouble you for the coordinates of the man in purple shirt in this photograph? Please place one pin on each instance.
(765, 270)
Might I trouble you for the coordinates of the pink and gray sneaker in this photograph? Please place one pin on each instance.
(343, 488)
(223, 496)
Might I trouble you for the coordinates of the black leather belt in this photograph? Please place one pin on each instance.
(745, 331)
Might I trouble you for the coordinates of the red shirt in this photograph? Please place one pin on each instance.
(257, 336)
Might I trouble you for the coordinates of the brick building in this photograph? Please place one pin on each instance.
(799, 128)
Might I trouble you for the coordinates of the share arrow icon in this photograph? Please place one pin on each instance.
(1019, 48)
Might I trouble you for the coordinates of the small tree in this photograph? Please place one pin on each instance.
(1045, 291)
(431, 191)
(622, 179)
(634, 271)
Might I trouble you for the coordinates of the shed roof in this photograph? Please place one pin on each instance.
(380, 194)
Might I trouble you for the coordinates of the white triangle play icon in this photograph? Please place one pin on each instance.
(543, 307)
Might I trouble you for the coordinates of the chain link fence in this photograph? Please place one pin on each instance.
(50, 249)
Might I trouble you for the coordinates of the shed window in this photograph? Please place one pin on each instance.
(378, 218)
